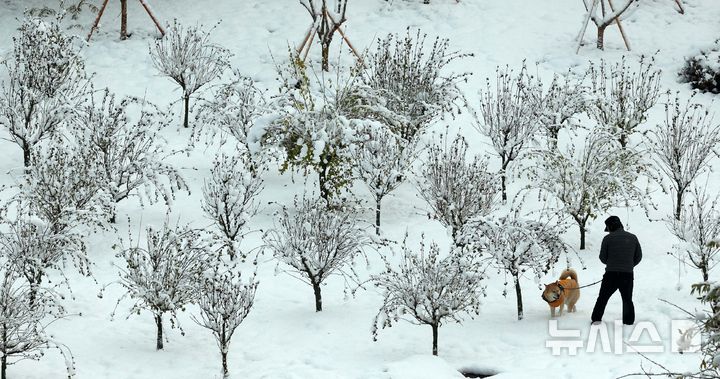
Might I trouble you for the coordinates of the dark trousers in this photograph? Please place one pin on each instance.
(611, 282)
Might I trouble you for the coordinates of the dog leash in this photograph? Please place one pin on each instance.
(587, 285)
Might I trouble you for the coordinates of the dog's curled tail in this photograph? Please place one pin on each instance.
(569, 273)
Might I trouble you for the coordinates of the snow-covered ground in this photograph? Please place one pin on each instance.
(283, 337)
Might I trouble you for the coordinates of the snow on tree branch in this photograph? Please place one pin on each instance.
(620, 98)
(234, 110)
(697, 230)
(517, 245)
(317, 242)
(230, 199)
(163, 275)
(382, 161)
(32, 249)
(508, 116)
(187, 57)
(455, 187)
(130, 154)
(25, 313)
(564, 99)
(683, 146)
(225, 300)
(314, 129)
(65, 187)
(407, 84)
(589, 179)
(429, 288)
(46, 82)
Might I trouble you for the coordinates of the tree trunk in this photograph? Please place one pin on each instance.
(326, 54)
(158, 322)
(26, 156)
(504, 188)
(318, 296)
(518, 294)
(186, 122)
(322, 180)
(435, 338)
(601, 37)
(223, 353)
(3, 359)
(224, 349)
(704, 270)
(377, 216)
(123, 20)
(623, 139)
(678, 204)
(582, 235)
(113, 218)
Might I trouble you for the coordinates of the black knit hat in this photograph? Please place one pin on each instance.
(612, 224)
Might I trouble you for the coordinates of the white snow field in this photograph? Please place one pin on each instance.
(283, 337)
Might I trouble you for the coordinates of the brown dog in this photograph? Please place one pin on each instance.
(564, 291)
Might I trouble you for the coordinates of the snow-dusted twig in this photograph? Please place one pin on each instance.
(230, 199)
(429, 288)
(508, 116)
(455, 187)
(316, 242)
(517, 245)
(683, 146)
(225, 300)
(163, 276)
(187, 57)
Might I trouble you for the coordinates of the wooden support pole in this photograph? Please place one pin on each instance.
(617, 21)
(97, 19)
(352, 48)
(309, 45)
(310, 31)
(152, 16)
(681, 9)
(580, 36)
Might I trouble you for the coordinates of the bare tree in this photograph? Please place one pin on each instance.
(66, 187)
(382, 161)
(559, 104)
(130, 153)
(187, 57)
(230, 199)
(326, 21)
(620, 98)
(46, 82)
(225, 300)
(428, 288)
(32, 249)
(234, 110)
(517, 245)
(698, 229)
(508, 116)
(683, 146)
(406, 85)
(317, 242)
(163, 276)
(25, 314)
(590, 180)
(456, 188)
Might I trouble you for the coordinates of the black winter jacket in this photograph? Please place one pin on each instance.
(620, 251)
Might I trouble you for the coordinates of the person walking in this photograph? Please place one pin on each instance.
(620, 252)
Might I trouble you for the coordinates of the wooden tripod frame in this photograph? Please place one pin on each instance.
(591, 12)
(304, 47)
(123, 21)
